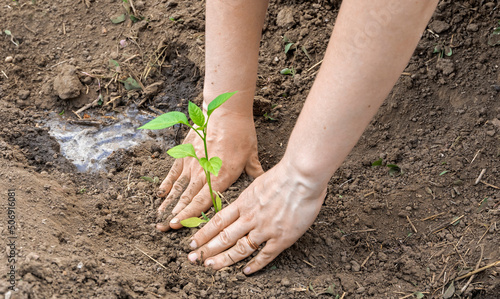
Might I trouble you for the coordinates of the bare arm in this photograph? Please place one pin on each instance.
(370, 46)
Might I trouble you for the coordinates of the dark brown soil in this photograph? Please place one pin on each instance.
(86, 235)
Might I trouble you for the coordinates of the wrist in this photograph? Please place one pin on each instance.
(314, 181)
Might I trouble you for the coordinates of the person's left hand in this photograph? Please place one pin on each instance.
(277, 208)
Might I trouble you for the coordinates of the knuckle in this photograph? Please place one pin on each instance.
(240, 247)
(218, 221)
(178, 188)
(224, 237)
(185, 199)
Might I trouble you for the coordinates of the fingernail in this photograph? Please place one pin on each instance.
(193, 244)
(193, 256)
(247, 270)
(174, 221)
(209, 263)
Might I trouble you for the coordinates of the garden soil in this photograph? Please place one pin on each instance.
(383, 232)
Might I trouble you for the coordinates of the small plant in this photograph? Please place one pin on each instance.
(443, 50)
(200, 122)
(393, 168)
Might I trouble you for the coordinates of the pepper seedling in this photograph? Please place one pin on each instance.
(200, 123)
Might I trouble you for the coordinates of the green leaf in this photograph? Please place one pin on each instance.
(219, 100)
(287, 47)
(62, 112)
(114, 65)
(205, 216)
(166, 120)
(286, 71)
(419, 295)
(130, 84)
(119, 19)
(377, 163)
(193, 222)
(196, 114)
(444, 172)
(7, 32)
(218, 203)
(146, 178)
(448, 51)
(393, 169)
(182, 151)
(213, 165)
(216, 163)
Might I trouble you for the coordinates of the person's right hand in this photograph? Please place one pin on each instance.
(232, 138)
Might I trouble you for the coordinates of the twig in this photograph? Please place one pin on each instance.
(490, 185)
(309, 263)
(472, 276)
(343, 295)
(439, 228)
(5, 75)
(412, 226)
(76, 114)
(475, 156)
(58, 64)
(480, 176)
(368, 194)
(487, 230)
(112, 100)
(315, 65)
(497, 263)
(161, 265)
(95, 102)
(366, 260)
(433, 216)
(29, 29)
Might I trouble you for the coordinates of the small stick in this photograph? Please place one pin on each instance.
(368, 194)
(76, 114)
(412, 226)
(487, 230)
(343, 295)
(88, 106)
(161, 265)
(5, 75)
(29, 29)
(131, 57)
(475, 156)
(64, 29)
(490, 185)
(112, 100)
(433, 216)
(405, 74)
(366, 259)
(480, 176)
(440, 228)
(497, 263)
(477, 266)
(315, 65)
(309, 263)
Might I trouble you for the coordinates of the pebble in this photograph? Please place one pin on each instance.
(24, 94)
(285, 282)
(9, 59)
(355, 266)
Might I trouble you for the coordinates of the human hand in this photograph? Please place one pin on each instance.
(277, 208)
(233, 139)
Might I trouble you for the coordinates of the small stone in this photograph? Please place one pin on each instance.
(24, 94)
(285, 17)
(66, 84)
(446, 66)
(9, 59)
(472, 27)
(490, 133)
(285, 282)
(439, 26)
(355, 266)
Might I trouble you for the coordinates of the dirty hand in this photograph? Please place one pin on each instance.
(233, 139)
(277, 208)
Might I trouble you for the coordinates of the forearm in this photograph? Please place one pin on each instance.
(369, 48)
(233, 32)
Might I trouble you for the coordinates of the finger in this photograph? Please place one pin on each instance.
(219, 222)
(175, 192)
(253, 167)
(242, 249)
(194, 187)
(172, 176)
(264, 257)
(200, 203)
(226, 238)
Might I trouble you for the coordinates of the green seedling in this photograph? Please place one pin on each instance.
(494, 38)
(7, 32)
(200, 122)
(443, 172)
(393, 168)
(497, 30)
(288, 71)
(155, 180)
(443, 50)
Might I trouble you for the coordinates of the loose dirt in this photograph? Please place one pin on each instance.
(382, 233)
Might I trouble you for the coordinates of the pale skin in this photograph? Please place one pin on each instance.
(369, 48)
